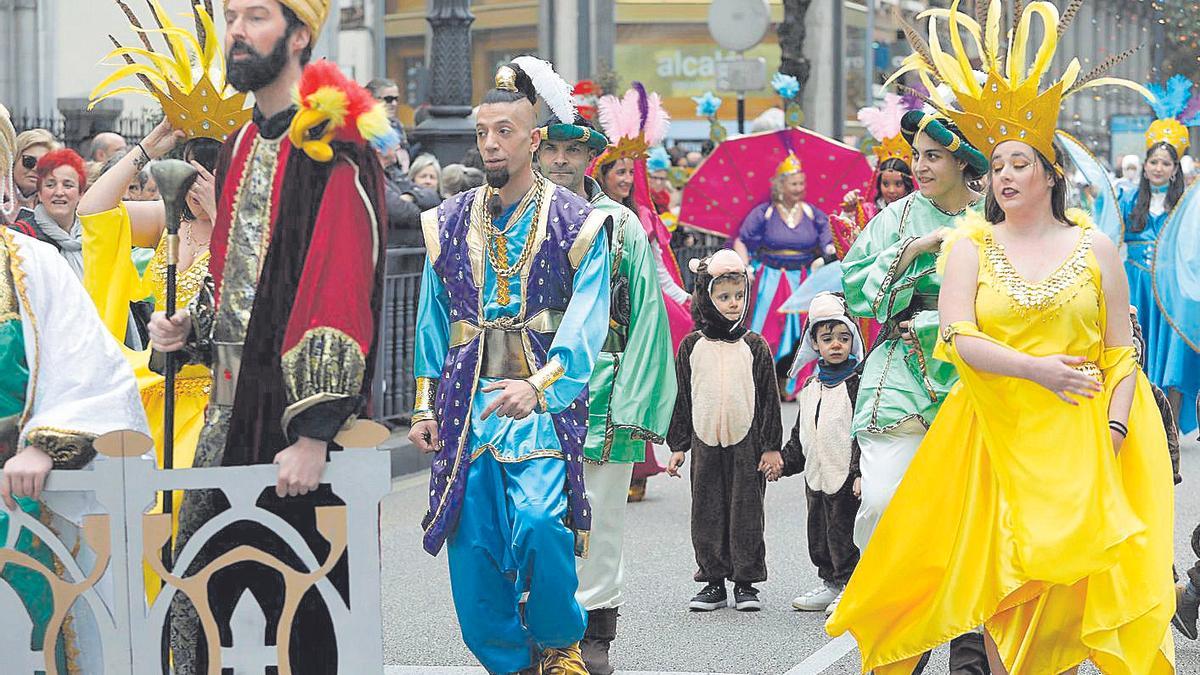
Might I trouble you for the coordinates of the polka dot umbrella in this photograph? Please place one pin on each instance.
(736, 177)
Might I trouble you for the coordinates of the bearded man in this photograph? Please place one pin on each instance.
(288, 329)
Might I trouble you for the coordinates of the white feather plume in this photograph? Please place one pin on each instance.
(550, 86)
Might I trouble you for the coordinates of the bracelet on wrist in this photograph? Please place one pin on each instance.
(1119, 427)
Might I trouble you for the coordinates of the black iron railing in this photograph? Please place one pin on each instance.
(394, 384)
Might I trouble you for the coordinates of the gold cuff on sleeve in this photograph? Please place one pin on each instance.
(425, 396)
(543, 378)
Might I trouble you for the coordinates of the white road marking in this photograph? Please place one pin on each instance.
(820, 661)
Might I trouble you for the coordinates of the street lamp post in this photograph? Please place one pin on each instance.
(448, 132)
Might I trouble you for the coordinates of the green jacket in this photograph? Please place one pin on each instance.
(899, 382)
(632, 390)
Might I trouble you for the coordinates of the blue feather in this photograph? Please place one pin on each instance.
(1172, 97)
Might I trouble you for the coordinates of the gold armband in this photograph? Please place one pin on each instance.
(542, 379)
(425, 396)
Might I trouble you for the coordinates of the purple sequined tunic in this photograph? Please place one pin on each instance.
(548, 287)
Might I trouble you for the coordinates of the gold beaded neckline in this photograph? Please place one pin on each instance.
(1035, 297)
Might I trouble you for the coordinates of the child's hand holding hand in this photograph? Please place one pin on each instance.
(857, 488)
(771, 465)
(674, 464)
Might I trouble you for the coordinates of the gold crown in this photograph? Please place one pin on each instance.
(625, 148)
(311, 12)
(789, 165)
(1009, 105)
(894, 147)
(1170, 131)
(193, 103)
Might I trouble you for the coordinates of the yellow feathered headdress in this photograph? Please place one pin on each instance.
(1009, 103)
(193, 99)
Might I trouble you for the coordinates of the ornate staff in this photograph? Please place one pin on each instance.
(174, 178)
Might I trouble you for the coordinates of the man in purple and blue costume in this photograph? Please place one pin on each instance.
(513, 313)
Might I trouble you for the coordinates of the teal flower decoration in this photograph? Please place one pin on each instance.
(786, 86)
(707, 105)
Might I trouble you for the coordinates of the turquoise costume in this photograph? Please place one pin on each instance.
(506, 493)
(1171, 363)
(632, 389)
(899, 383)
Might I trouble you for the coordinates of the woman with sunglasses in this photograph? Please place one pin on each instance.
(31, 146)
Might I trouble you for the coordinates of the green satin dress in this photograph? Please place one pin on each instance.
(899, 382)
(632, 390)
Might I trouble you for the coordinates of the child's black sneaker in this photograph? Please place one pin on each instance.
(745, 598)
(709, 598)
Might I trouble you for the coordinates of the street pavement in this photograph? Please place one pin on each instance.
(656, 633)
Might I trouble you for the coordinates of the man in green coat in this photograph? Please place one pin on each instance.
(631, 392)
(890, 275)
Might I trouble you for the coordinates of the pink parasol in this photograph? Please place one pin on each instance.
(736, 177)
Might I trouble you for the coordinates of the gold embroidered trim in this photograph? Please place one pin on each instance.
(187, 387)
(893, 269)
(188, 282)
(425, 396)
(68, 448)
(325, 361)
(422, 416)
(249, 235)
(17, 275)
(592, 226)
(495, 452)
(1028, 297)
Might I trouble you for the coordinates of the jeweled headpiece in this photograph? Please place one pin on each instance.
(1009, 104)
(632, 123)
(1177, 108)
(790, 165)
(193, 100)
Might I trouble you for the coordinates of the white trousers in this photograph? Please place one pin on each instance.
(602, 573)
(883, 460)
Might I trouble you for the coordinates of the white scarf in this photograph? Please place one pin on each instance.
(70, 244)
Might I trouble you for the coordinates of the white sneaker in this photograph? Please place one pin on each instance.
(816, 600)
(836, 601)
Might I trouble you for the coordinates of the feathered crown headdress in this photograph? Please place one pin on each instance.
(883, 123)
(335, 108)
(1176, 108)
(1009, 104)
(632, 123)
(193, 100)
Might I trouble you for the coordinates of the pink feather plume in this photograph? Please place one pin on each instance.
(622, 117)
(884, 122)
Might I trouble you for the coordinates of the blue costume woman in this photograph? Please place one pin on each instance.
(1173, 358)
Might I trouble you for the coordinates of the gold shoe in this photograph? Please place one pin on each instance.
(563, 661)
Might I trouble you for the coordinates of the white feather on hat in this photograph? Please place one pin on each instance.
(550, 86)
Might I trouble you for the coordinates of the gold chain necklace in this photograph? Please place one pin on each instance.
(497, 248)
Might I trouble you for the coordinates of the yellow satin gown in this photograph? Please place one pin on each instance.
(1016, 513)
(112, 281)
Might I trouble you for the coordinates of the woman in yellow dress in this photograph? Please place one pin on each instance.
(111, 227)
(1043, 489)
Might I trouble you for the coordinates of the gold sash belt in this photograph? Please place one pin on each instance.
(506, 350)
